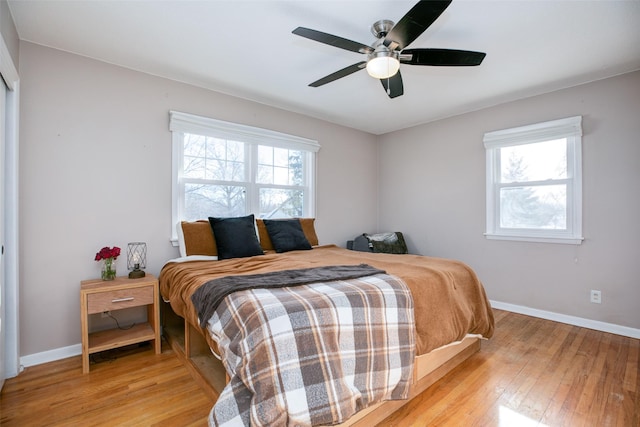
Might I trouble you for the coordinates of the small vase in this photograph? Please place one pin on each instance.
(108, 269)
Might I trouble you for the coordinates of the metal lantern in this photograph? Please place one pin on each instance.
(136, 259)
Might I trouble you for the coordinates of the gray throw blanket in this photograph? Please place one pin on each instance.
(208, 296)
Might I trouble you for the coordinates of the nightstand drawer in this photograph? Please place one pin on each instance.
(118, 299)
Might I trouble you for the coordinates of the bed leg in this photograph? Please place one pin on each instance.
(187, 340)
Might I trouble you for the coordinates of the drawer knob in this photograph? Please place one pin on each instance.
(122, 299)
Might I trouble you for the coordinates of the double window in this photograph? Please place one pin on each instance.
(226, 169)
(534, 182)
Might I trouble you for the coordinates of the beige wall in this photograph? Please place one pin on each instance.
(95, 170)
(8, 32)
(432, 187)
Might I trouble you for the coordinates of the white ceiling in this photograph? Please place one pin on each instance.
(246, 49)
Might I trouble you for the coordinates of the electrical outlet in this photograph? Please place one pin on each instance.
(105, 314)
(596, 296)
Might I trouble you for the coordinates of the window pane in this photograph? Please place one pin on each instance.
(265, 155)
(296, 167)
(265, 174)
(265, 165)
(235, 151)
(280, 166)
(281, 176)
(194, 145)
(280, 203)
(534, 162)
(194, 156)
(203, 201)
(216, 148)
(213, 158)
(221, 170)
(280, 157)
(542, 207)
(226, 161)
(194, 167)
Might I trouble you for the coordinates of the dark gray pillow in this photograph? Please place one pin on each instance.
(235, 237)
(286, 235)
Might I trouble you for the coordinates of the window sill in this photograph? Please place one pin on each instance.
(536, 239)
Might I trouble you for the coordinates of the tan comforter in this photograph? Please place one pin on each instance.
(449, 300)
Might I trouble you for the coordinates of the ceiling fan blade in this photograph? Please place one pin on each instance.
(332, 40)
(411, 25)
(393, 85)
(441, 57)
(339, 74)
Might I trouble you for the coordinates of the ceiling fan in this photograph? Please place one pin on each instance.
(388, 52)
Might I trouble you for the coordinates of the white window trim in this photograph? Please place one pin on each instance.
(190, 123)
(570, 128)
(181, 123)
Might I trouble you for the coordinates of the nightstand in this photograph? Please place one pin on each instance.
(98, 296)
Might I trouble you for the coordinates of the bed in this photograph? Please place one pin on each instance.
(449, 309)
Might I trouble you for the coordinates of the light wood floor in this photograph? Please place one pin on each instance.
(532, 372)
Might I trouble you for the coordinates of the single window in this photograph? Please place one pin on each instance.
(225, 169)
(534, 182)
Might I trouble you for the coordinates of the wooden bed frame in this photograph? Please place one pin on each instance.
(194, 352)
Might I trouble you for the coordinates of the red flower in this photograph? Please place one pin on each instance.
(106, 253)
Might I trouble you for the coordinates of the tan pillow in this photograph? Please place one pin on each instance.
(308, 228)
(198, 238)
(265, 241)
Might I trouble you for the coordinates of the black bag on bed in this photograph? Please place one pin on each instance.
(389, 243)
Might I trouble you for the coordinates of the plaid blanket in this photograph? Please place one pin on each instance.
(313, 354)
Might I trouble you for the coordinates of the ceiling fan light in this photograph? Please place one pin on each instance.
(383, 66)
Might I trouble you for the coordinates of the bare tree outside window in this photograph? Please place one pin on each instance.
(211, 167)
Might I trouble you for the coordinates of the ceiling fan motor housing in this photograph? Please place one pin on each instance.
(381, 28)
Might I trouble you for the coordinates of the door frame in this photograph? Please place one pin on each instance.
(9, 74)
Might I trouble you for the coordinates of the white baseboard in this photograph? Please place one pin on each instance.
(571, 320)
(50, 355)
